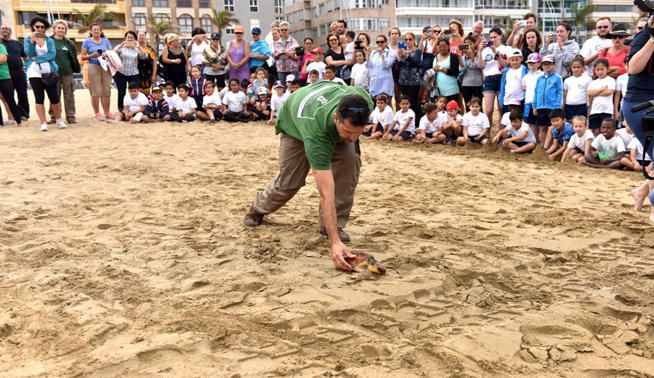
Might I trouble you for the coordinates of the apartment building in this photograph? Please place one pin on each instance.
(622, 11)
(183, 15)
(253, 13)
(22, 11)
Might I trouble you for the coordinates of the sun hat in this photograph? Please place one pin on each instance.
(533, 58)
(619, 30)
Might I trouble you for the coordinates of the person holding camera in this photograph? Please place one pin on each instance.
(380, 62)
(129, 52)
(94, 47)
(285, 53)
(564, 48)
(42, 71)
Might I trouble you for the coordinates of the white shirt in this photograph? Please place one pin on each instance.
(529, 85)
(475, 124)
(611, 147)
(213, 99)
(492, 66)
(430, 126)
(444, 118)
(580, 141)
(602, 104)
(621, 85)
(385, 118)
(530, 138)
(318, 66)
(276, 102)
(401, 118)
(505, 120)
(577, 89)
(360, 75)
(235, 102)
(349, 51)
(513, 91)
(172, 101)
(186, 105)
(135, 104)
(635, 144)
(624, 135)
(592, 46)
(338, 80)
(196, 52)
(35, 69)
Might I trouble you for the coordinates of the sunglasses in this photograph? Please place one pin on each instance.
(238, 33)
(618, 37)
(547, 63)
(39, 26)
(381, 42)
(283, 29)
(602, 27)
(409, 39)
(437, 31)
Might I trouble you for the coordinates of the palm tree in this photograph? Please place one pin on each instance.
(223, 19)
(158, 29)
(85, 20)
(581, 17)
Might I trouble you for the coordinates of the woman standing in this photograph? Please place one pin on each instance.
(215, 62)
(491, 60)
(7, 86)
(174, 59)
(395, 46)
(530, 43)
(68, 64)
(284, 54)
(563, 49)
(237, 53)
(42, 71)
(95, 46)
(456, 35)
(195, 49)
(147, 65)
(617, 53)
(447, 70)
(472, 79)
(380, 62)
(410, 72)
(130, 53)
(335, 55)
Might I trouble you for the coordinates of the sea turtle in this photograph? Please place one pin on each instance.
(365, 265)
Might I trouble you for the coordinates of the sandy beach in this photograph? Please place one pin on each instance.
(122, 253)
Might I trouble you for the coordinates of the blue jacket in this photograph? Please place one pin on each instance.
(49, 57)
(525, 70)
(549, 92)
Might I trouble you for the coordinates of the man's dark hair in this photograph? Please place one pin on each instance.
(530, 15)
(297, 82)
(133, 85)
(331, 67)
(496, 30)
(168, 84)
(429, 107)
(557, 113)
(405, 98)
(516, 114)
(350, 34)
(355, 108)
(342, 22)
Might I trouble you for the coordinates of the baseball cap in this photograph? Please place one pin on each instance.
(262, 91)
(317, 50)
(278, 84)
(515, 52)
(452, 105)
(426, 29)
(290, 78)
(533, 58)
(548, 58)
(256, 30)
(215, 35)
(156, 87)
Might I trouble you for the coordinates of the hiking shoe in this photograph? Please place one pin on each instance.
(345, 238)
(253, 218)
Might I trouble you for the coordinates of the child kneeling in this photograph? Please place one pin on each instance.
(518, 137)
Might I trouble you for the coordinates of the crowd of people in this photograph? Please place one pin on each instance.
(440, 87)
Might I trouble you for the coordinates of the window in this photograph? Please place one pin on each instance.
(139, 21)
(184, 4)
(279, 6)
(205, 4)
(206, 24)
(229, 30)
(185, 23)
(160, 3)
(138, 3)
(229, 5)
(254, 5)
(158, 17)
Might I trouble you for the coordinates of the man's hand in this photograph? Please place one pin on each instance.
(339, 251)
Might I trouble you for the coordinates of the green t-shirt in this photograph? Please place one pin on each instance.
(4, 68)
(308, 116)
(62, 46)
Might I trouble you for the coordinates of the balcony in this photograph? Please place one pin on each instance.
(503, 4)
(434, 4)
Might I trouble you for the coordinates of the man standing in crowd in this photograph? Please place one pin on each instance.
(592, 47)
(259, 51)
(318, 127)
(284, 54)
(15, 56)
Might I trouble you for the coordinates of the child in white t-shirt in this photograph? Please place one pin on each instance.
(134, 105)
(430, 128)
(234, 103)
(381, 119)
(580, 142)
(600, 96)
(404, 123)
(317, 63)
(529, 84)
(517, 137)
(634, 160)
(186, 106)
(607, 149)
(211, 104)
(575, 90)
(170, 96)
(451, 121)
(276, 101)
(514, 93)
(476, 127)
(360, 76)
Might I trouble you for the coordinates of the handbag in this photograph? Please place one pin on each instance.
(49, 79)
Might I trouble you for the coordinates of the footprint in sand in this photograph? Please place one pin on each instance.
(104, 226)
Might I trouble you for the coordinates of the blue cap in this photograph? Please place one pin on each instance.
(256, 30)
(278, 84)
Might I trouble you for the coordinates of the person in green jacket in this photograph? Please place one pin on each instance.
(68, 64)
(319, 127)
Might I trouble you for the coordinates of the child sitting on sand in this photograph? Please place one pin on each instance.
(404, 122)
(607, 149)
(185, 107)
(234, 103)
(430, 127)
(170, 96)
(262, 105)
(381, 118)
(314, 77)
(451, 120)
(277, 100)
(580, 142)
(634, 160)
(476, 128)
(211, 104)
(517, 137)
(157, 109)
(134, 105)
(558, 136)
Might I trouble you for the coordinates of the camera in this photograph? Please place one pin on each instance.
(647, 6)
(299, 51)
(99, 51)
(357, 45)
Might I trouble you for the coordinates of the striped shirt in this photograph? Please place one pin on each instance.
(130, 58)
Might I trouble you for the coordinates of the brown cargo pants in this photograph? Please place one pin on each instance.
(293, 170)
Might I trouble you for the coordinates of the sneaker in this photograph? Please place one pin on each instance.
(44, 127)
(61, 124)
(71, 120)
(345, 238)
(11, 122)
(108, 117)
(23, 119)
(212, 121)
(252, 218)
(99, 117)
